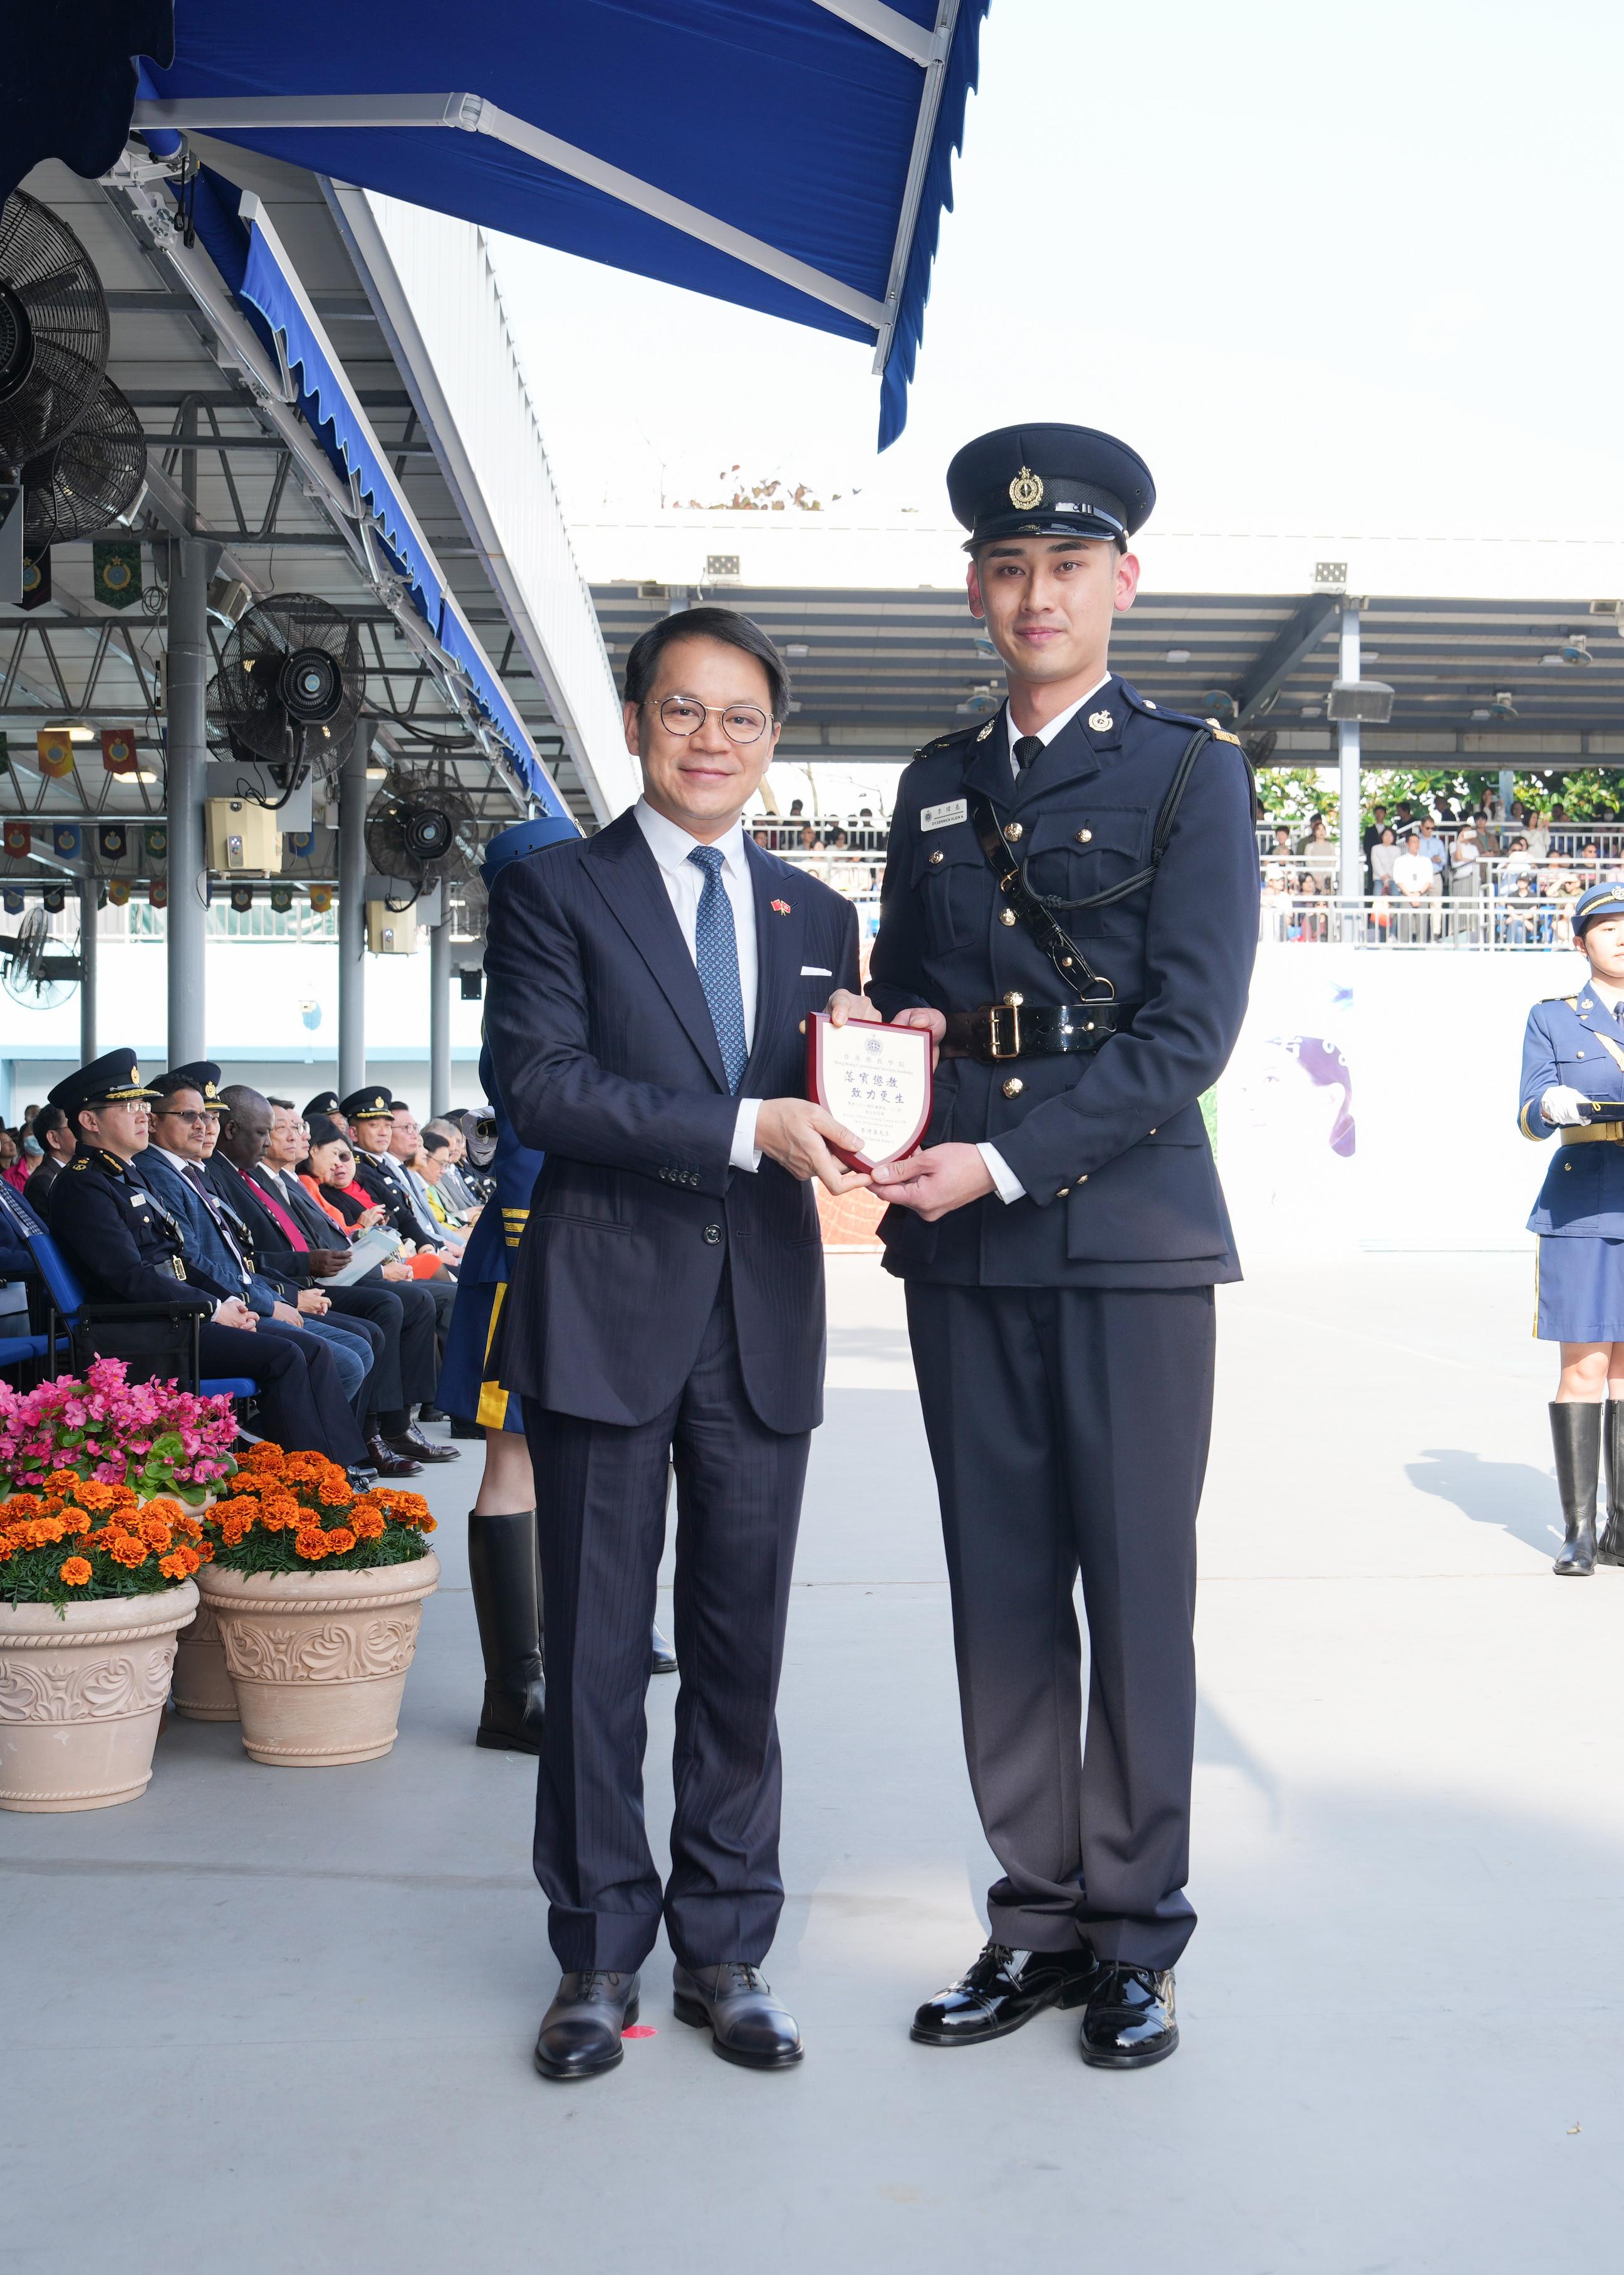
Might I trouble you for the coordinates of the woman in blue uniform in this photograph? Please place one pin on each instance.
(1573, 1052)
(502, 1565)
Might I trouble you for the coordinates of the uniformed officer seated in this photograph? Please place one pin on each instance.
(125, 1247)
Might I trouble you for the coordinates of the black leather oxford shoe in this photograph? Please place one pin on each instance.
(746, 2023)
(417, 1448)
(1002, 1990)
(580, 2031)
(1129, 2021)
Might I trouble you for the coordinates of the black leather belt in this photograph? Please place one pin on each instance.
(1015, 1029)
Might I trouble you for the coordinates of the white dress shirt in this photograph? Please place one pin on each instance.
(1006, 1183)
(685, 881)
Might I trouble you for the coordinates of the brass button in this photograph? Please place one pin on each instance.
(1062, 1192)
(1014, 1086)
(1149, 1133)
(1086, 837)
(1082, 1180)
(938, 858)
(1013, 830)
(1006, 916)
(1015, 997)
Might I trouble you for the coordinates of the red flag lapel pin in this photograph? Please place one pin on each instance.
(782, 907)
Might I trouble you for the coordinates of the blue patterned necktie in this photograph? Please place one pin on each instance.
(715, 952)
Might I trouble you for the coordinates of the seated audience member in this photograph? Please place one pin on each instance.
(1319, 854)
(51, 1127)
(458, 1194)
(427, 1173)
(125, 1247)
(371, 1116)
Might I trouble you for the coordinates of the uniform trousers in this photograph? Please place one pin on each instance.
(600, 1513)
(1069, 1430)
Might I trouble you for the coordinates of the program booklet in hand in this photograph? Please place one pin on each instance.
(372, 1247)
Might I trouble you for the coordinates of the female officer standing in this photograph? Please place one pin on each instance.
(1574, 1053)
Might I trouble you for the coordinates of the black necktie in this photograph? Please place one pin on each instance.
(1027, 748)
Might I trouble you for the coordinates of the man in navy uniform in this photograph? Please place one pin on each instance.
(1070, 907)
(126, 1248)
(647, 988)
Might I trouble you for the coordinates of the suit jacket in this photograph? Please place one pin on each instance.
(1110, 1148)
(284, 1266)
(400, 1204)
(210, 1262)
(604, 1050)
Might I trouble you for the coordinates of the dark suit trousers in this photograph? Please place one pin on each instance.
(302, 1404)
(404, 1315)
(601, 1496)
(1069, 1430)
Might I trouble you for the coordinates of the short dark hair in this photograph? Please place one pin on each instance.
(47, 1120)
(284, 1105)
(169, 1086)
(435, 1141)
(724, 624)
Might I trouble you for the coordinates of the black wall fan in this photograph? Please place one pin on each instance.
(416, 833)
(290, 684)
(91, 477)
(53, 331)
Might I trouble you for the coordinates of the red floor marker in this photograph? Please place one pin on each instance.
(641, 2031)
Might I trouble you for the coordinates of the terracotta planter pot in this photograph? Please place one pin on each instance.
(81, 1698)
(319, 1659)
(203, 1690)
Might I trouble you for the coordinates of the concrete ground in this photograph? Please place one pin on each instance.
(279, 2020)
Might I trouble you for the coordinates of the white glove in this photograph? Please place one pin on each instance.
(1563, 1105)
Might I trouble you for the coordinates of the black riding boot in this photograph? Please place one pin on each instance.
(1576, 1433)
(507, 1601)
(1611, 1548)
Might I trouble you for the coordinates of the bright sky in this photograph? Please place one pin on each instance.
(1328, 269)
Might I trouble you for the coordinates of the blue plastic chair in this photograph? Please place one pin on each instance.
(66, 1301)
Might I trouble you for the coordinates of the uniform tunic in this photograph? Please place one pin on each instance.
(1064, 1341)
(1579, 1215)
(470, 1384)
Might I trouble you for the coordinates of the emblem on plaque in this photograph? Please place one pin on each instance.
(1026, 490)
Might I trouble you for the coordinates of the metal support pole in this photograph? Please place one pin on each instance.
(353, 916)
(1509, 789)
(440, 1014)
(190, 564)
(1350, 826)
(88, 897)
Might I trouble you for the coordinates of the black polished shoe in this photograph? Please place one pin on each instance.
(746, 2023)
(432, 1414)
(1128, 2022)
(580, 2031)
(662, 1658)
(387, 1462)
(1002, 1990)
(417, 1448)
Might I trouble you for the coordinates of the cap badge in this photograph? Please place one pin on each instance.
(135, 1074)
(1026, 490)
(1101, 722)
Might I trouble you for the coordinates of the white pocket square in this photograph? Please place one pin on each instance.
(816, 972)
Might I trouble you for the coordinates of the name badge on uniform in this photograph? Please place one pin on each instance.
(137, 1200)
(943, 816)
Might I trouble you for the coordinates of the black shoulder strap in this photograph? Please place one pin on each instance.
(1074, 968)
(1165, 820)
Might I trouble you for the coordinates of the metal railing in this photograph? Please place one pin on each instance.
(1438, 920)
(140, 921)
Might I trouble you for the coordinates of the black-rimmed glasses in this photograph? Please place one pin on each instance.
(741, 723)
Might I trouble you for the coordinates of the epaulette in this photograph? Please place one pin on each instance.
(1222, 735)
(1572, 1001)
(954, 735)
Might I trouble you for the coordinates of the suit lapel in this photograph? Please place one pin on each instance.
(780, 928)
(628, 876)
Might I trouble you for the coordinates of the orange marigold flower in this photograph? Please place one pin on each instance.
(8, 1548)
(236, 1529)
(367, 1524)
(206, 1554)
(155, 1531)
(189, 1526)
(93, 1495)
(340, 1540)
(269, 1460)
(76, 1572)
(311, 1543)
(123, 1496)
(63, 1481)
(45, 1532)
(176, 1567)
(125, 1549)
(21, 1505)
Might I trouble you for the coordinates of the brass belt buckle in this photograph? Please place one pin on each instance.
(1009, 1010)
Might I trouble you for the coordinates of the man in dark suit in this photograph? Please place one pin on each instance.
(51, 1127)
(647, 992)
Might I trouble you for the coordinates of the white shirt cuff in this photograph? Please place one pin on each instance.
(1009, 1186)
(746, 1153)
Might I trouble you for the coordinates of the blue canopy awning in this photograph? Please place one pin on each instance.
(790, 155)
